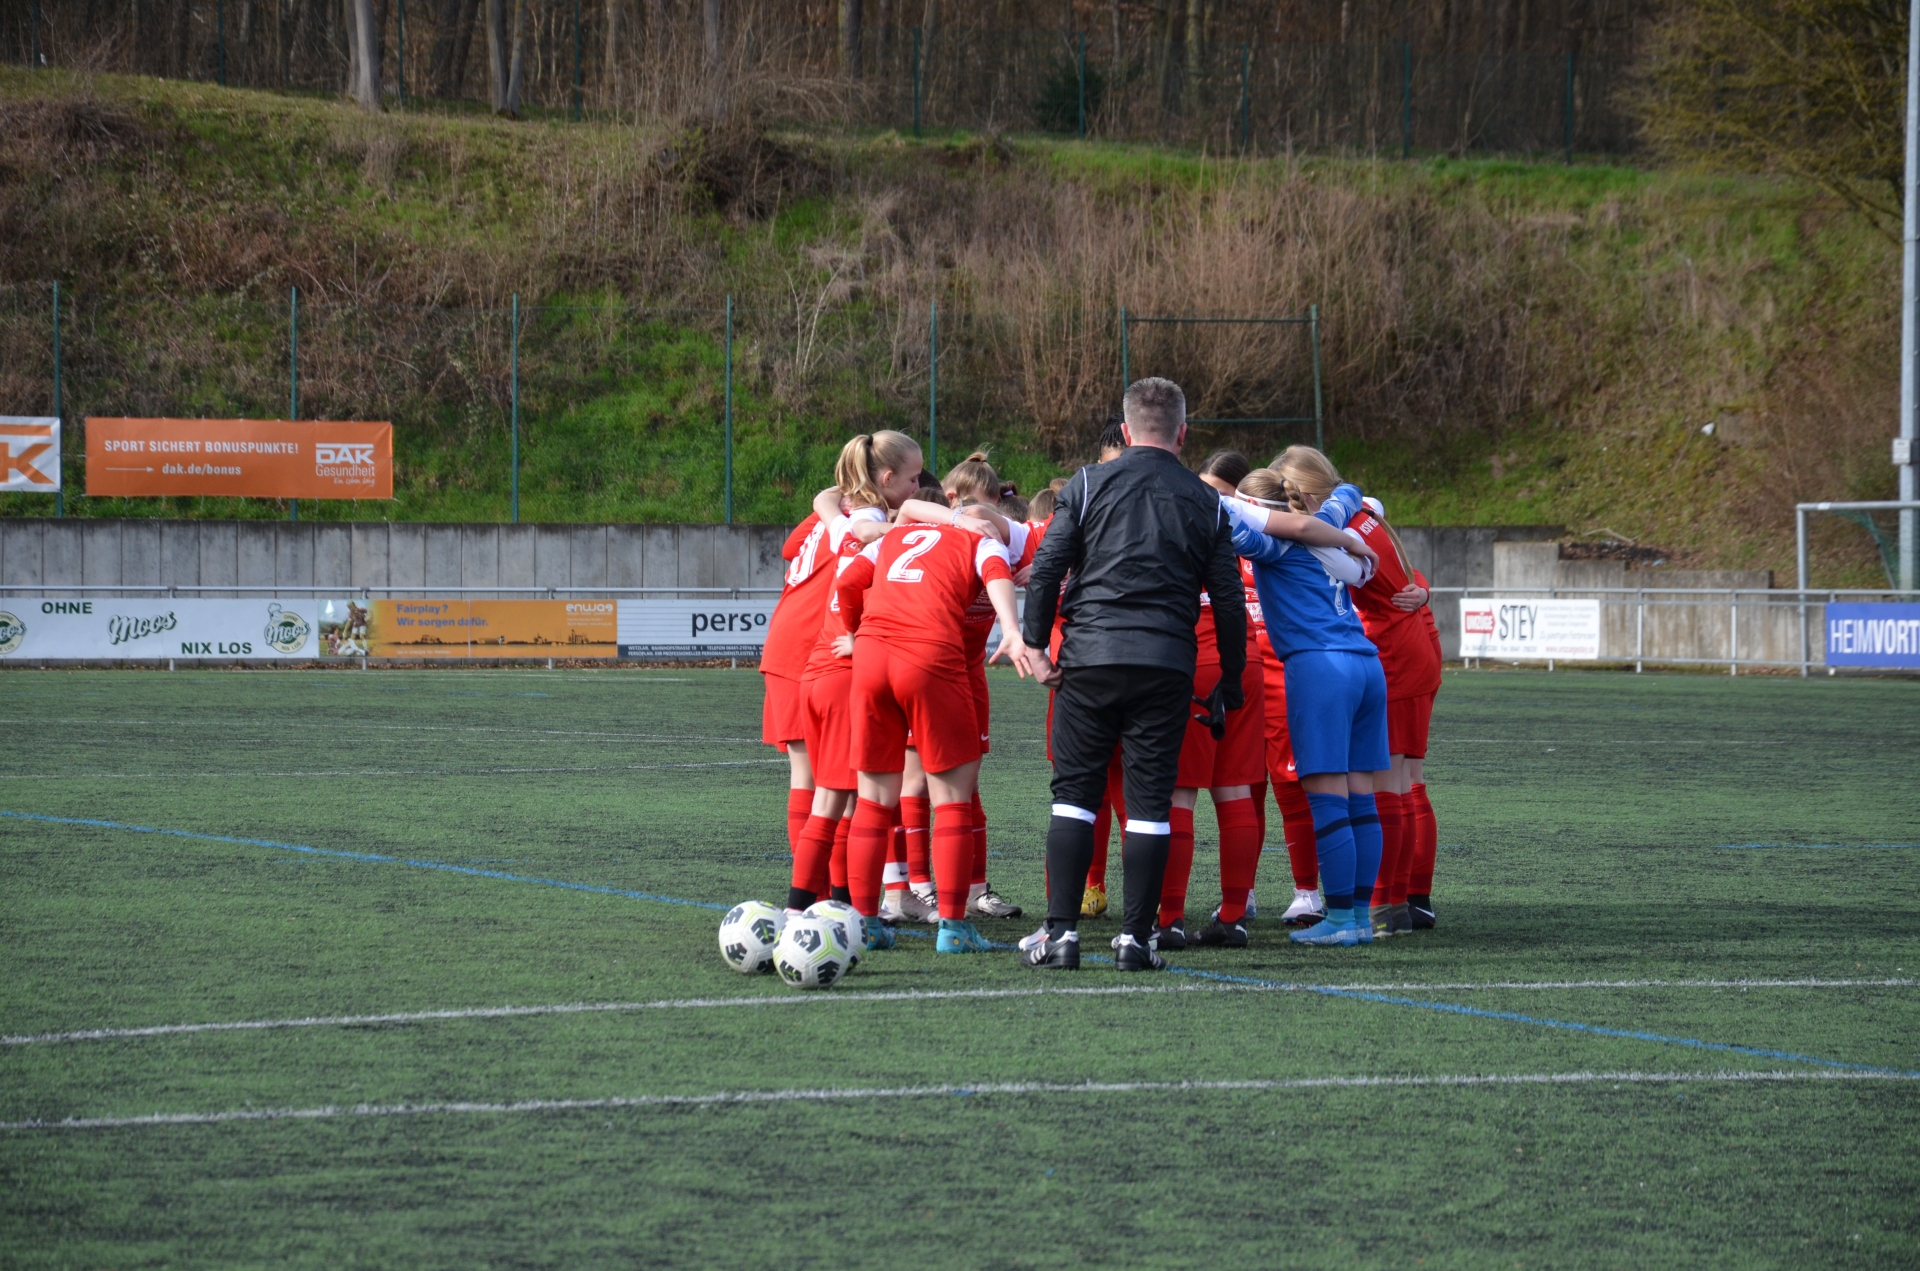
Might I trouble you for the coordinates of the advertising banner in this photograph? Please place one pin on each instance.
(251, 458)
(1873, 635)
(1564, 630)
(652, 628)
(406, 628)
(30, 449)
(158, 627)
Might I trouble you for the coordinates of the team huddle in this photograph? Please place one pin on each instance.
(874, 670)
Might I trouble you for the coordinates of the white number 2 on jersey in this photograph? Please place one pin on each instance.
(919, 543)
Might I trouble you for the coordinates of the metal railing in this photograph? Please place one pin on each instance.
(1796, 599)
(363, 590)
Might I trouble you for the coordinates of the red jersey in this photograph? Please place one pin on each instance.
(1023, 541)
(1426, 615)
(1406, 654)
(923, 580)
(843, 547)
(804, 591)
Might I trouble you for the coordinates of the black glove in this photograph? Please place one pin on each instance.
(1215, 716)
(1230, 692)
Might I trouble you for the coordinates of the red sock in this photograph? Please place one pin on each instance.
(1426, 844)
(872, 826)
(1239, 855)
(979, 840)
(1392, 845)
(1296, 820)
(1409, 848)
(1173, 889)
(810, 856)
(916, 815)
(953, 857)
(896, 876)
(799, 808)
(1260, 809)
(837, 864)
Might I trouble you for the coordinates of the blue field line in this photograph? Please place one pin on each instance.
(365, 856)
(1325, 991)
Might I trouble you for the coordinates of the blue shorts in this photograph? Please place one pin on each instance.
(1337, 712)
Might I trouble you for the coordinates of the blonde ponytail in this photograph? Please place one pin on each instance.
(863, 460)
(973, 478)
(1306, 473)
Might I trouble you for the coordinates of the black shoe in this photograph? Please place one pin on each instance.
(1059, 953)
(1134, 956)
(1224, 935)
(1420, 909)
(1172, 936)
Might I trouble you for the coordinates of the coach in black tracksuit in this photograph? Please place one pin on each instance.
(1138, 538)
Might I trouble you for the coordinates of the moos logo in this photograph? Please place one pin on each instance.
(12, 632)
(286, 631)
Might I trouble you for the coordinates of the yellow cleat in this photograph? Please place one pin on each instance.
(1094, 902)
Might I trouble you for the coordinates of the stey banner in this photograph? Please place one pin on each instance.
(249, 458)
(30, 448)
(1561, 630)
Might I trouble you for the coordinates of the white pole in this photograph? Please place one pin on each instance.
(1910, 297)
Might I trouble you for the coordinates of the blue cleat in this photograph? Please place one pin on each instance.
(1363, 924)
(879, 933)
(960, 937)
(1327, 932)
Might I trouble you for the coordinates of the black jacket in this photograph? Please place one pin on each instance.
(1141, 537)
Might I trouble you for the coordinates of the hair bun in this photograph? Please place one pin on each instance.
(978, 456)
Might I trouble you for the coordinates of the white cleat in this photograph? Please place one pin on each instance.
(990, 904)
(1307, 908)
(1253, 910)
(905, 905)
(1035, 940)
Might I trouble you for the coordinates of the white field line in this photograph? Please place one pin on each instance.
(390, 772)
(855, 996)
(345, 726)
(835, 1095)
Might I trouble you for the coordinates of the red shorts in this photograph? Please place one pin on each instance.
(1235, 759)
(829, 730)
(1279, 745)
(783, 716)
(893, 699)
(1407, 721)
(982, 701)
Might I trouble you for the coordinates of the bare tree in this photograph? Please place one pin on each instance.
(850, 38)
(363, 41)
(607, 68)
(506, 56)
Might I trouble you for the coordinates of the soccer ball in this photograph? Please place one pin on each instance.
(812, 953)
(748, 934)
(847, 916)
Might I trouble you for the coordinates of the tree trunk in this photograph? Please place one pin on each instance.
(363, 34)
(1192, 94)
(712, 18)
(456, 79)
(182, 13)
(517, 71)
(610, 84)
(497, 56)
(850, 38)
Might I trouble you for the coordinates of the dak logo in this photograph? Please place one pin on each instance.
(355, 454)
(12, 632)
(286, 631)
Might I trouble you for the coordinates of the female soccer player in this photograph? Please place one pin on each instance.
(874, 475)
(1336, 692)
(795, 624)
(1390, 606)
(906, 599)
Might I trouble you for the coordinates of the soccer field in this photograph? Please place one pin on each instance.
(1670, 1017)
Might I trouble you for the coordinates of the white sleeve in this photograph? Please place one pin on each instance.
(1244, 514)
(1341, 566)
(838, 527)
(986, 551)
(1017, 535)
(872, 551)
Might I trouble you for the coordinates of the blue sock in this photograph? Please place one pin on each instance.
(1364, 816)
(1334, 838)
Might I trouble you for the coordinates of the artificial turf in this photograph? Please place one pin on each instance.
(1595, 827)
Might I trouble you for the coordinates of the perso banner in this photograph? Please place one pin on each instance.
(1873, 635)
(112, 628)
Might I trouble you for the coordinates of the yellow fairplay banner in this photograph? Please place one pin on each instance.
(404, 628)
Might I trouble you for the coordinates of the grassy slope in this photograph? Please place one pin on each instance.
(1701, 299)
(1562, 861)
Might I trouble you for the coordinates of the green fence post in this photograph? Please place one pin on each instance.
(1569, 107)
(729, 410)
(400, 51)
(1319, 415)
(933, 386)
(576, 61)
(916, 81)
(1246, 67)
(60, 495)
(514, 394)
(1406, 100)
(220, 35)
(1083, 85)
(1124, 380)
(293, 375)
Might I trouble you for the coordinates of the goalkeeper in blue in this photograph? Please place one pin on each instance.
(1336, 690)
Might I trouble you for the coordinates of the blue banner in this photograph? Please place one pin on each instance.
(1873, 635)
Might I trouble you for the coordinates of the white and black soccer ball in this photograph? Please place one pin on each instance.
(812, 952)
(748, 935)
(847, 916)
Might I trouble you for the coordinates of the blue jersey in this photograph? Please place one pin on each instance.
(1306, 608)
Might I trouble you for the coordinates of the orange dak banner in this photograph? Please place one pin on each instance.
(253, 458)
